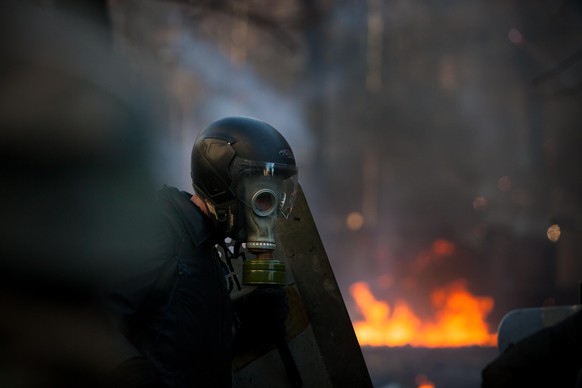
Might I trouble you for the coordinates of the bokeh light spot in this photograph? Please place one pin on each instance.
(504, 183)
(355, 221)
(553, 233)
(515, 36)
(480, 203)
(442, 247)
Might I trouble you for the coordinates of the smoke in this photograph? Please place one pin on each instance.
(204, 85)
(453, 116)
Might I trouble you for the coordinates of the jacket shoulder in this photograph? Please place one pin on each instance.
(180, 209)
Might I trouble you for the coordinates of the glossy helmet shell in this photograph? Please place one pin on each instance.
(213, 169)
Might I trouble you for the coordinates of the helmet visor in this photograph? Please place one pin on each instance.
(268, 188)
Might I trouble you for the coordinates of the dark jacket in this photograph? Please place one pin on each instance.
(176, 308)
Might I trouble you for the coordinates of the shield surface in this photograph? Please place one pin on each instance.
(320, 347)
(521, 323)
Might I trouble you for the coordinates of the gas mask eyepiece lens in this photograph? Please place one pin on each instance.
(264, 202)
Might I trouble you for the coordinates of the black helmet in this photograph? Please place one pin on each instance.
(233, 147)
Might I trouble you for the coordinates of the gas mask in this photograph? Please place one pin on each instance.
(245, 172)
(266, 191)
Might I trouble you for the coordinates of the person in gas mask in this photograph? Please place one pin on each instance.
(178, 313)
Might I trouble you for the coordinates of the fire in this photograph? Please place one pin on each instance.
(423, 382)
(459, 319)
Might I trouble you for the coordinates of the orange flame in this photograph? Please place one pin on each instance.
(459, 320)
(423, 382)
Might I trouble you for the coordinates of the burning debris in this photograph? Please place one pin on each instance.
(459, 319)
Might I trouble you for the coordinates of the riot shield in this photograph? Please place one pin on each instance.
(320, 347)
(521, 323)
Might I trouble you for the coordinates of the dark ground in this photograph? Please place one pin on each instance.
(445, 367)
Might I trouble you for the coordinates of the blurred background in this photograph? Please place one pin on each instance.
(438, 145)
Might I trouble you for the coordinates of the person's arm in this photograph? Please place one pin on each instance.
(129, 294)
